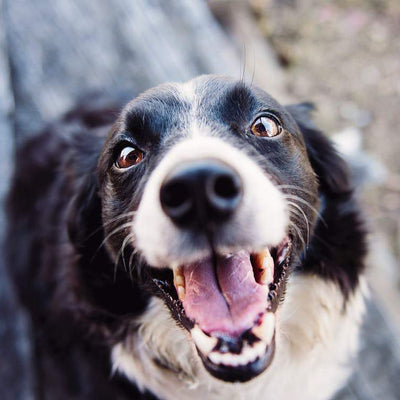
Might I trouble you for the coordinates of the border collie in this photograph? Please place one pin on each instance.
(204, 243)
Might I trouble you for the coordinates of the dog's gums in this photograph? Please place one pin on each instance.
(228, 304)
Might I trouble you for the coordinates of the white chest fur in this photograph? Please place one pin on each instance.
(316, 341)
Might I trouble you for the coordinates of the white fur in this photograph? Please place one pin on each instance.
(260, 220)
(316, 341)
(187, 91)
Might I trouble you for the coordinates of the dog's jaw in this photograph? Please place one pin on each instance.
(315, 336)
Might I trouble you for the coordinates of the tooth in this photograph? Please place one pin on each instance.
(265, 265)
(249, 354)
(227, 359)
(268, 264)
(265, 331)
(179, 279)
(204, 342)
(241, 360)
(179, 282)
(266, 276)
(235, 360)
(181, 292)
(215, 358)
(259, 349)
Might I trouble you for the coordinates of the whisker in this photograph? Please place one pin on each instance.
(312, 208)
(125, 215)
(121, 253)
(305, 218)
(115, 231)
(130, 264)
(243, 71)
(254, 69)
(118, 217)
(298, 231)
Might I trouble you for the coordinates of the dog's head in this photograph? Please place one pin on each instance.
(209, 195)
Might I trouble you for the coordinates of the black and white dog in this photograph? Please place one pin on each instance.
(210, 238)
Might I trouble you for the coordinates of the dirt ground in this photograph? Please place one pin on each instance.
(344, 55)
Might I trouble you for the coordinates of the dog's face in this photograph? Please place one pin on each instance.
(208, 193)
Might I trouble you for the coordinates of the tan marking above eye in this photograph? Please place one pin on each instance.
(265, 126)
(128, 157)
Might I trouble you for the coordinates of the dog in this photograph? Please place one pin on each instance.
(204, 242)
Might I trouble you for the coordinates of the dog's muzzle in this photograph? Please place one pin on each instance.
(212, 228)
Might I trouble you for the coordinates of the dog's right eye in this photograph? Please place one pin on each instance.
(128, 157)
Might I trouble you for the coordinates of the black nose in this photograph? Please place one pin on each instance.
(200, 192)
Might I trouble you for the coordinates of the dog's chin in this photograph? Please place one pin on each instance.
(228, 304)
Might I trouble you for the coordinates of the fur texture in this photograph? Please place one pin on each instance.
(81, 265)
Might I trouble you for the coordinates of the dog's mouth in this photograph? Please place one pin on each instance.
(228, 304)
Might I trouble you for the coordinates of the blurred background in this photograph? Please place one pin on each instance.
(343, 55)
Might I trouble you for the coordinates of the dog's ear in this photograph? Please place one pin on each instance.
(330, 168)
(84, 214)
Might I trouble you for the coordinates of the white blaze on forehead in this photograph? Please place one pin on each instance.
(260, 220)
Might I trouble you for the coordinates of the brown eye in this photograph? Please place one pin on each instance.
(265, 126)
(128, 157)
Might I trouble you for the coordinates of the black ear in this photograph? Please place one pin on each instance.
(330, 168)
(84, 214)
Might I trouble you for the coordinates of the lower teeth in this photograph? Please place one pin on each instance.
(248, 355)
(265, 331)
(263, 334)
(203, 342)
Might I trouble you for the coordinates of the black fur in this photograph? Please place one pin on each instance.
(59, 210)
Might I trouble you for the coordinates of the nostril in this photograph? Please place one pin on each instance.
(223, 194)
(174, 194)
(226, 186)
(175, 199)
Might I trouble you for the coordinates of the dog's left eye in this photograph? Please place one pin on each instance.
(266, 126)
(128, 157)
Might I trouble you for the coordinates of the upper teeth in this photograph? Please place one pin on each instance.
(265, 265)
(179, 282)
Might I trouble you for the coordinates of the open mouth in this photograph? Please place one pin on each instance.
(228, 304)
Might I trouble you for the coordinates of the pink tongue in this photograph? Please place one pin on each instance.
(230, 307)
